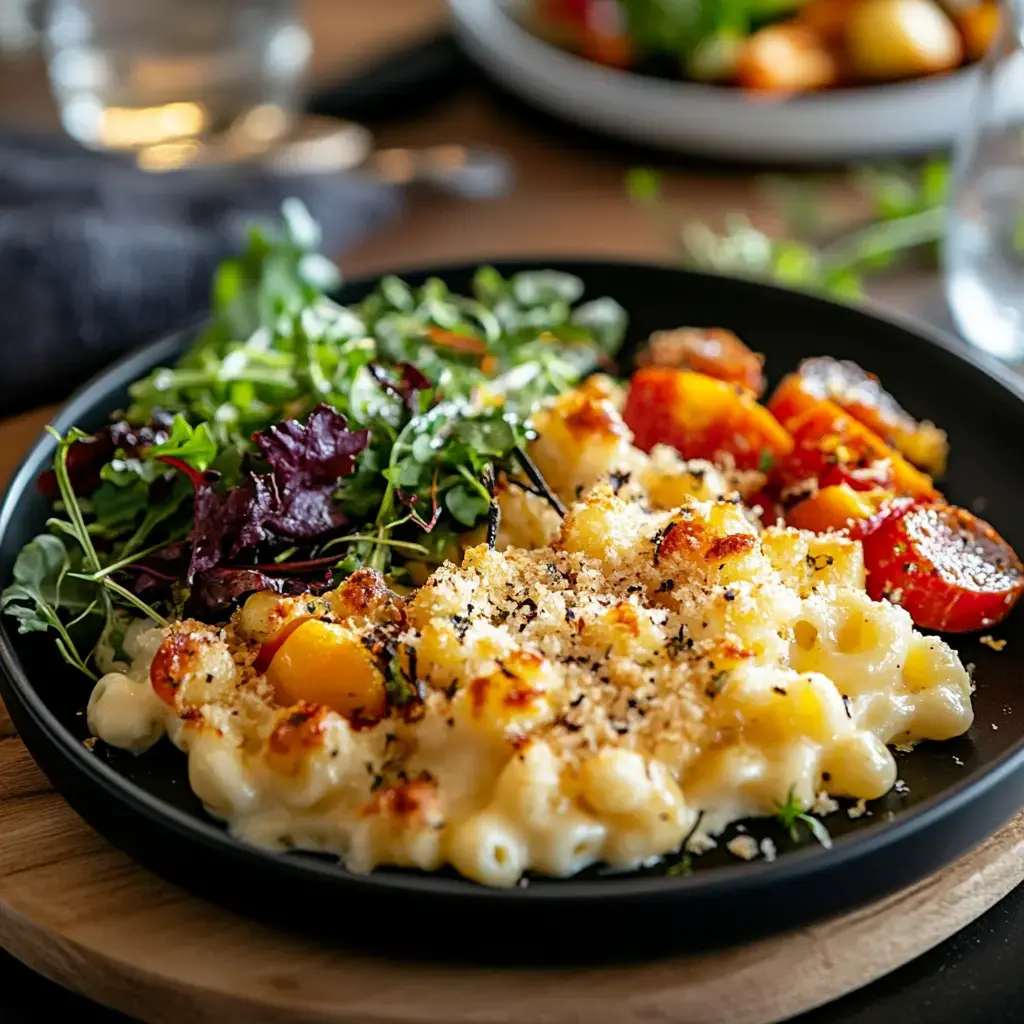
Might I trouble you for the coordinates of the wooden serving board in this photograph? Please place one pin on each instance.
(86, 916)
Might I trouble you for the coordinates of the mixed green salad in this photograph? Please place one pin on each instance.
(299, 439)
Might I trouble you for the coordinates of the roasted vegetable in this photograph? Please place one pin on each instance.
(836, 508)
(827, 19)
(702, 417)
(979, 25)
(785, 59)
(827, 427)
(861, 395)
(950, 570)
(710, 350)
(325, 663)
(892, 39)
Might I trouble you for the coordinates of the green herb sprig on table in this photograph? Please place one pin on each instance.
(299, 439)
(906, 213)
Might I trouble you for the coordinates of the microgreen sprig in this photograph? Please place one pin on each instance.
(791, 812)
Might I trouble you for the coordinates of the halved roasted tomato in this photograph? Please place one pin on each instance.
(950, 570)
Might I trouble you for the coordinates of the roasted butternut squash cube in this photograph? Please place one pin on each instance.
(325, 663)
(835, 508)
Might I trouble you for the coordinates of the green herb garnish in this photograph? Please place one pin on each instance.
(792, 812)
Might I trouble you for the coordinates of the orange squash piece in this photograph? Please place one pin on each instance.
(834, 508)
(325, 663)
(710, 350)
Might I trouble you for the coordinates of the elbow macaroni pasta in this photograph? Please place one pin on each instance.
(579, 695)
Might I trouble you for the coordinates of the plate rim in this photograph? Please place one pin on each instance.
(732, 878)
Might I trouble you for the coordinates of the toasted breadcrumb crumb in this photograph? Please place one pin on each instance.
(859, 809)
(991, 642)
(824, 804)
(700, 843)
(743, 846)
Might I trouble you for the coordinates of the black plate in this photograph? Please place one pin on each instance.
(959, 792)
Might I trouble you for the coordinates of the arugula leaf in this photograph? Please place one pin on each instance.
(40, 574)
(42, 586)
(118, 507)
(466, 504)
(191, 445)
(74, 526)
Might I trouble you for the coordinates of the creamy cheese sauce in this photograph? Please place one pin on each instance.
(582, 697)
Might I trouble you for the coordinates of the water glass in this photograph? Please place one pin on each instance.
(163, 77)
(983, 252)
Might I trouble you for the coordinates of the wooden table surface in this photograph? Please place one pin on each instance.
(568, 200)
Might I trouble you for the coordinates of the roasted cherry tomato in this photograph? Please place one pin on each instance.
(862, 396)
(711, 350)
(950, 570)
(702, 417)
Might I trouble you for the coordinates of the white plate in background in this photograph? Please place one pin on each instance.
(869, 121)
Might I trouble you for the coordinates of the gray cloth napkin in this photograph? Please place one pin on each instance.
(98, 257)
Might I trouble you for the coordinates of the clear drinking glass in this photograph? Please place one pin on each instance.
(983, 253)
(164, 77)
